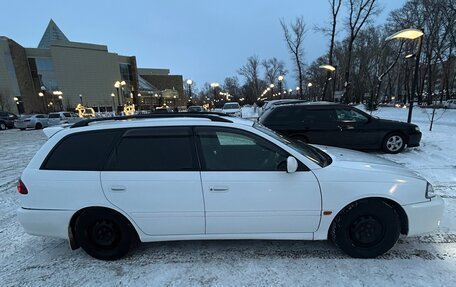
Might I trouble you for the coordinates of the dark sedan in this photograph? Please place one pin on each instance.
(340, 125)
(7, 120)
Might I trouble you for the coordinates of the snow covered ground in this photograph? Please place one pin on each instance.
(421, 261)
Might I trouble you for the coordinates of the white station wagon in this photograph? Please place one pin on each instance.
(106, 185)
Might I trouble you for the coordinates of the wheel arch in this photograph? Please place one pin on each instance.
(397, 131)
(71, 226)
(403, 218)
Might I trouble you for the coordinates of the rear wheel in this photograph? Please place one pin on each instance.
(38, 126)
(394, 143)
(366, 229)
(104, 234)
(2, 126)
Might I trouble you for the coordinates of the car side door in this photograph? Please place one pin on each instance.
(153, 175)
(247, 189)
(358, 130)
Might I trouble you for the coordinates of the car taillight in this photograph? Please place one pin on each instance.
(21, 187)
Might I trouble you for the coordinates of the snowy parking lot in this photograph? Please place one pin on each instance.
(428, 260)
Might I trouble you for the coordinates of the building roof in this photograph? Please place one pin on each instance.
(52, 34)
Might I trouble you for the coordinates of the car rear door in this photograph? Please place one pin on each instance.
(247, 190)
(153, 175)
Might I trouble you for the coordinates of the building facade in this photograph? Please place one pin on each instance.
(60, 74)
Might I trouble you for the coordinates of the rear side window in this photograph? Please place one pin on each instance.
(54, 116)
(155, 149)
(86, 151)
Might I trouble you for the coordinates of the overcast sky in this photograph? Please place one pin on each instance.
(200, 39)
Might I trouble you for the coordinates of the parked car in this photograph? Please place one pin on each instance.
(195, 109)
(450, 104)
(214, 177)
(37, 121)
(59, 118)
(232, 109)
(7, 120)
(340, 125)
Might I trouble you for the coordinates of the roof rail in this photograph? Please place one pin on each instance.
(215, 117)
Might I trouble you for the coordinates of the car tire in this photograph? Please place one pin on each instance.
(22, 129)
(394, 143)
(105, 234)
(366, 229)
(2, 126)
(38, 126)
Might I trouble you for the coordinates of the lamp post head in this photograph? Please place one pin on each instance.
(60, 97)
(280, 78)
(189, 82)
(112, 95)
(309, 85)
(40, 94)
(271, 86)
(297, 88)
(215, 85)
(290, 90)
(123, 83)
(409, 34)
(139, 94)
(80, 96)
(43, 88)
(16, 99)
(328, 67)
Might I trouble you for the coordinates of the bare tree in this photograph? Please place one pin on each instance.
(251, 72)
(335, 8)
(294, 37)
(273, 68)
(360, 11)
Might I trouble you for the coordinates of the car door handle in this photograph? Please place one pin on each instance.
(118, 188)
(218, 189)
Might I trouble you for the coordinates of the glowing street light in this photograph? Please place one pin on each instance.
(411, 34)
(280, 78)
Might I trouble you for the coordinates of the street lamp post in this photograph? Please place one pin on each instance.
(214, 86)
(297, 94)
(271, 86)
(411, 34)
(119, 85)
(80, 99)
(139, 102)
(42, 94)
(280, 78)
(331, 68)
(189, 85)
(113, 96)
(16, 99)
(309, 85)
(61, 102)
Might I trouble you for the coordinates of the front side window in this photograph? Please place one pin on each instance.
(350, 115)
(235, 150)
(155, 149)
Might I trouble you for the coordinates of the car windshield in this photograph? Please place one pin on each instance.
(230, 106)
(312, 153)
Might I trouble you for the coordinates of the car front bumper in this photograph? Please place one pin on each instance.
(414, 139)
(424, 217)
(45, 222)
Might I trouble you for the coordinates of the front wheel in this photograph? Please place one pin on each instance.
(2, 126)
(394, 143)
(104, 234)
(366, 229)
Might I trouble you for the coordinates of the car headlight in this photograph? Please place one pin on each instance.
(429, 191)
(417, 128)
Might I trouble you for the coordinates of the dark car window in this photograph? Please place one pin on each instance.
(54, 116)
(350, 115)
(155, 149)
(297, 114)
(68, 115)
(233, 150)
(82, 151)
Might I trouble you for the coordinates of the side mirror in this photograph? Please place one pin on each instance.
(292, 164)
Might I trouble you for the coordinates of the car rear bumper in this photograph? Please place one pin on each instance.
(424, 217)
(42, 222)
